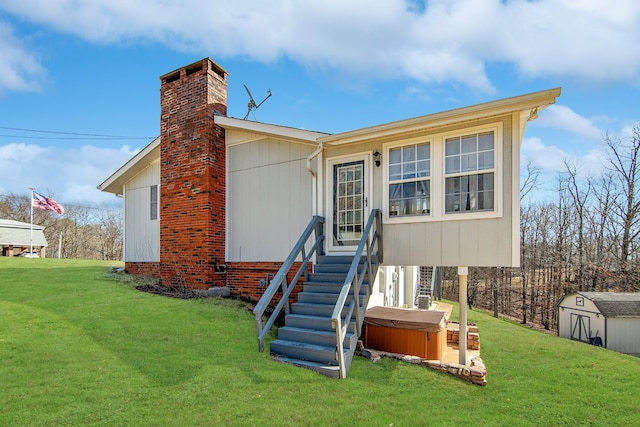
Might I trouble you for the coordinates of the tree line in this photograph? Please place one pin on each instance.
(85, 232)
(586, 238)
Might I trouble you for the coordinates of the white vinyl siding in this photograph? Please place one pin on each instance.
(474, 238)
(623, 335)
(142, 237)
(268, 198)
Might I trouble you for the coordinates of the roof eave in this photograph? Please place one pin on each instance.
(116, 181)
(281, 132)
(533, 102)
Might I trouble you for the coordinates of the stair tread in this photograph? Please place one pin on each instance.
(313, 331)
(315, 347)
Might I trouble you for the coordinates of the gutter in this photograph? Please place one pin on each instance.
(311, 156)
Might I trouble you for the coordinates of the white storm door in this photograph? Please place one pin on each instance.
(349, 201)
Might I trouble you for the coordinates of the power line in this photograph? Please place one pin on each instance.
(77, 134)
(102, 138)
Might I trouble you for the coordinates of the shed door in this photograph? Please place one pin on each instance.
(580, 327)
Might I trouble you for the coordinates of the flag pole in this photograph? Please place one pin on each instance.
(31, 224)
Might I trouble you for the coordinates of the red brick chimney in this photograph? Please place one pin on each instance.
(192, 176)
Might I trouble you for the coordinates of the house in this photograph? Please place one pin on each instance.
(609, 319)
(218, 201)
(19, 237)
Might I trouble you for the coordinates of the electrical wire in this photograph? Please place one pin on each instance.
(76, 135)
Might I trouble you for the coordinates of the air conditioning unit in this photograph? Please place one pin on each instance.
(424, 302)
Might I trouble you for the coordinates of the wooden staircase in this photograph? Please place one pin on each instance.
(308, 338)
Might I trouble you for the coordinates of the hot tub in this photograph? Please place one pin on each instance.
(421, 333)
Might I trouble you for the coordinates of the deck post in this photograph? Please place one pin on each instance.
(463, 272)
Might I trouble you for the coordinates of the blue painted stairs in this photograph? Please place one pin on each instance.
(307, 339)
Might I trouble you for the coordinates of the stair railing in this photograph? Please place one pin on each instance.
(279, 281)
(353, 282)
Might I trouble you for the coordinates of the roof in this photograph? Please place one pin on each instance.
(282, 132)
(18, 233)
(134, 166)
(527, 106)
(615, 304)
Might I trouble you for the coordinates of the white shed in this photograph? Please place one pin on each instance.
(610, 319)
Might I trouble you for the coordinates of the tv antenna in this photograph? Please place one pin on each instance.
(252, 106)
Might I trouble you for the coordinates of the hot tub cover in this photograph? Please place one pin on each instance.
(401, 318)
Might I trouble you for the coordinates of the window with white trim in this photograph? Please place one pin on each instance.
(470, 173)
(409, 183)
(153, 203)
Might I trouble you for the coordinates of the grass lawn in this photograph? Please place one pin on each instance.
(79, 349)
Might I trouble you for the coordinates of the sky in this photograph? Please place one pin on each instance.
(79, 79)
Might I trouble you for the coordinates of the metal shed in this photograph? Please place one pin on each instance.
(610, 319)
(16, 236)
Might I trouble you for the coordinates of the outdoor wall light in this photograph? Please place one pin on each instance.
(376, 157)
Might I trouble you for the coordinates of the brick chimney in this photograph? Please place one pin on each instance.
(192, 176)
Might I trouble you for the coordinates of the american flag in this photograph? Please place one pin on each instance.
(47, 203)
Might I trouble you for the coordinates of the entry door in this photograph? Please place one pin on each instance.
(580, 327)
(349, 202)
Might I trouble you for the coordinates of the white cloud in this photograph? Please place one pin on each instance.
(564, 118)
(546, 158)
(77, 172)
(19, 69)
(448, 41)
(549, 159)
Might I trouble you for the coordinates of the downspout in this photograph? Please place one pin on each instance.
(314, 179)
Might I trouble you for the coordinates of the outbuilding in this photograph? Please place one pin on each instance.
(17, 237)
(609, 319)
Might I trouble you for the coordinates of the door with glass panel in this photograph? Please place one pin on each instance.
(349, 201)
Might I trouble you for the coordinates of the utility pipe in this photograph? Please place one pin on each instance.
(314, 179)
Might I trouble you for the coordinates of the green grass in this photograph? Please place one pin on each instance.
(79, 349)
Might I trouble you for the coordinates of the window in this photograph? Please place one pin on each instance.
(409, 180)
(469, 173)
(153, 205)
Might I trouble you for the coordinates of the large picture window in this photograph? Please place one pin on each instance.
(409, 180)
(470, 173)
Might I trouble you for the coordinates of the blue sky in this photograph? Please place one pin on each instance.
(93, 67)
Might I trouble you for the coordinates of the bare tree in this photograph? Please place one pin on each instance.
(579, 197)
(623, 159)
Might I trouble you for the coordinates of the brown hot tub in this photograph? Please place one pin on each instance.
(421, 333)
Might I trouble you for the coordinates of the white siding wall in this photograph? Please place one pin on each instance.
(142, 236)
(486, 242)
(268, 199)
(623, 335)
